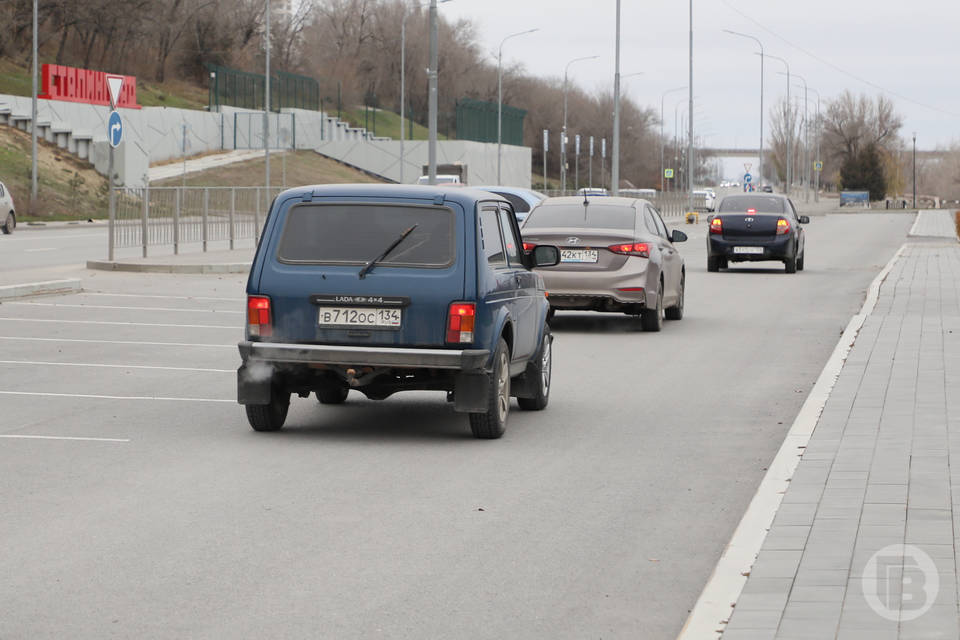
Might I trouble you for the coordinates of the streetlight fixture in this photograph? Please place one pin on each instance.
(788, 115)
(500, 97)
(563, 132)
(760, 44)
(403, 69)
(662, 96)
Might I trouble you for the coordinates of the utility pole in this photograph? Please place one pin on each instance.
(690, 118)
(266, 106)
(615, 163)
(662, 167)
(33, 116)
(914, 169)
(591, 162)
(563, 132)
(432, 96)
(760, 44)
(500, 98)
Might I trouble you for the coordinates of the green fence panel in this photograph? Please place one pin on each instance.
(235, 88)
(477, 120)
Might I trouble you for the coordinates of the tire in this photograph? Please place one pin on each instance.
(800, 262)
(713, 264)
(652, 319)
(269, 417)
(491, 424)
(543, 368)
(676, 312)
(9, 224)
(790, 265)
(550, 313)
(332, 394)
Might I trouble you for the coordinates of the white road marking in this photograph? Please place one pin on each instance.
(23, 238)
(103, 397)
(143, 295)
(39, 250)
(25, 437)
(718, 598)
(126, 324)
(115, 366)
(136, 342)
(97, 306)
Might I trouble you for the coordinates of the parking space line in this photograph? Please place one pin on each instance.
(13, 436)
(162, 297)
(126, 324)
(115, 366)
(98, 306)
(136, 342)
(93, 396)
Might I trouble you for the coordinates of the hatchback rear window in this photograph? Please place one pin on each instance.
(761, 204)
(596, 216)
(356, 233)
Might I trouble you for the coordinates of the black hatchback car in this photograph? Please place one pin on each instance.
(383, 288)
(756, 227)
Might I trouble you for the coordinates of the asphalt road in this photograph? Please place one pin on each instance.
(600, 517)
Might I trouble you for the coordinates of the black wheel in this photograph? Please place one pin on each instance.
(493, 422)
(550, 313)
(713, 264)
(724, 263)
(676, 312)
(543, 366)
(334, 394)
(652, 319)
(800, 262)
(790, 265)
(9, 223)
(269, 417)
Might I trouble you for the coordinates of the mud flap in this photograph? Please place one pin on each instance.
(252, 389)
(470, 392)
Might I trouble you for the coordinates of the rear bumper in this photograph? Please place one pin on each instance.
(453, 359)
(774, 248)
(600, 290)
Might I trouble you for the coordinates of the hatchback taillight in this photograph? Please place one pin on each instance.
(716, 225)
(641, 249)
(783, 226)
(258, 316)
(460, 322)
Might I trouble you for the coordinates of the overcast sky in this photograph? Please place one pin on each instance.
(911, 49)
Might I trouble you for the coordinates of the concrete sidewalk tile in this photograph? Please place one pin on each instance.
(785, 538)
(886, 493)
(750, 634)
(820, 578)
(754, 619)
(817, 593)
(773, 563)
(849, 479)
(929, 526)
(800, 513)
(767, 585)
(883, 514)
(807, 628)
(772, 600)
(939, 622)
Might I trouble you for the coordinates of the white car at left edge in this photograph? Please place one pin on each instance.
(8, 214)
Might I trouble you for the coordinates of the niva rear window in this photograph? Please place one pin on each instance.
(356, 233)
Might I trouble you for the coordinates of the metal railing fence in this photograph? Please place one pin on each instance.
(165, 216)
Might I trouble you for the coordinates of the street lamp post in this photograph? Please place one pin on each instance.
(816, 134)
(563, 132)
(615, 161)
(662, 167)
(788, 115)
(803, 174)
(500, 97)
(266, 105)
(690, 122)
(760, 44)
(33, 116)
(432, 97)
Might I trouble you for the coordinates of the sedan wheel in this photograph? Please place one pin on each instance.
(652, 319)
(676, 312)
(9, 224)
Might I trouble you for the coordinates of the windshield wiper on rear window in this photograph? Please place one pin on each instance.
(367, 267)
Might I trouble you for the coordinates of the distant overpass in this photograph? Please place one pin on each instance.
(729, 152)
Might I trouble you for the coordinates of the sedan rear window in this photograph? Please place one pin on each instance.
(356, 233)
(762, 204)
(596, 216)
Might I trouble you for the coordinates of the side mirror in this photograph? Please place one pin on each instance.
(678, 236)
(545, 255)
(804, 219)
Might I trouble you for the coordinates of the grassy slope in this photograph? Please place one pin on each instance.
(388, 123)
(303, 167)
(67, 188)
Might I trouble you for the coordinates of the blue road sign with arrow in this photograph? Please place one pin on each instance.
(747, 178)
(114, 129)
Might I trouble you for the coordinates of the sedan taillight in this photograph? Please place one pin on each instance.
(716, 225)
(258, 316)
(783, 226)
(641, 249)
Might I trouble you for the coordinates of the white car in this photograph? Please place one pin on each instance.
(709, 198)
(448, 179)
(7, 212)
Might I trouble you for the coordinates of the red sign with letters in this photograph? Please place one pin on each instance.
(83, 85)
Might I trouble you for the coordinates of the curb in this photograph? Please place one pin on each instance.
(48, 287)
(718, 598)
(133, 267)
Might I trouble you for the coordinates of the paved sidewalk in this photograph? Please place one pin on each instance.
(934, 223)
(217, 261)
(865, 543)
(176, 169)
